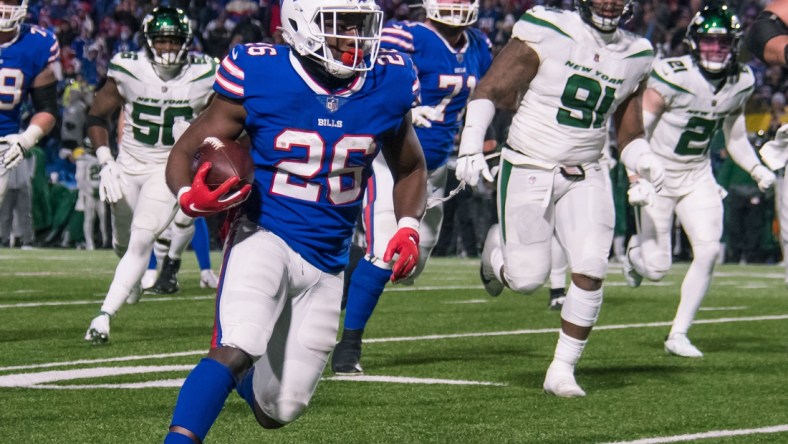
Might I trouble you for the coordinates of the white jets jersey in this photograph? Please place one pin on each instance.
(153, 105)
(582, 79)
(693, 112)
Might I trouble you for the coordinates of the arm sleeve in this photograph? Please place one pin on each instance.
(739, 147)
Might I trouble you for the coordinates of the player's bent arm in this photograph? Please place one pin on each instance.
(222, 118)
(739, 147)
(107, 100)
(510, 74)
(653, 107)
(404, 155)
(44, 96)
(628, 118)
(636, 154)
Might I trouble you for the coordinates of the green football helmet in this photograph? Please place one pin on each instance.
(167, 22)
(714, 38)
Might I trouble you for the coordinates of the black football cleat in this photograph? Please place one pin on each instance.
(167, 282)
(557, 298)
(347, 354)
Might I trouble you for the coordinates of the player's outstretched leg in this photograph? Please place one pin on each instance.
(487, 270)
(366, 286)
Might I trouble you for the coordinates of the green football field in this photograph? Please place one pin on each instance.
(444, 363)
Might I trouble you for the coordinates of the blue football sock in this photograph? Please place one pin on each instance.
(177, 438)
(201, 243)
(202, 397)
(366, 286)
(152, 261)
(246, 389)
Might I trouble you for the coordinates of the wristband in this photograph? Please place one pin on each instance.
(633, 151)
(103, 154)
(31, 136)
(183, 191)
(408, 222)
(478, 116)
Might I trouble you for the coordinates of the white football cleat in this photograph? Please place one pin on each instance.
(148, 279)
(561, 382)
(492, 285)
(134, 296)
(208, 279)
(680, 345)
(98, 332)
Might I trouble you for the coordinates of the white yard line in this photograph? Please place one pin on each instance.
(43, 380)
(404, 339)
(705, 435)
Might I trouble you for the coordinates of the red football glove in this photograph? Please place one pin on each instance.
(199, 200)
(405, 243)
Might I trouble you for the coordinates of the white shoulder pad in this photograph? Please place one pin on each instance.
(540, 25)
(669, 76)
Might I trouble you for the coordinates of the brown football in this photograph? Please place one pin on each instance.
(228, 158)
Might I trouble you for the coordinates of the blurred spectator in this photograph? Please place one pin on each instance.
(125, 41)
(217, 35)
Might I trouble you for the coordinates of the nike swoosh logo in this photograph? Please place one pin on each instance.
(235, 53)
(197, 210)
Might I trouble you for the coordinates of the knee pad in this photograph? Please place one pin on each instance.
(286, 411)
(581, 307)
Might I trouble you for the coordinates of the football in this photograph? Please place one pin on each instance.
(228, 158)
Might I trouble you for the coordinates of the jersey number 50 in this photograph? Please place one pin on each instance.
(148, 132)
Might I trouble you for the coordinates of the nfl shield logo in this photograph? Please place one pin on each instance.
(332, 104)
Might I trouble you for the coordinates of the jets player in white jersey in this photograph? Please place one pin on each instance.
(688, 99)
(577, 69)
(29, 63)
(158, 88)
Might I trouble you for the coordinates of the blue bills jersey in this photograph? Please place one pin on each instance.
(313, 148)
(20, 63)
(447, 75)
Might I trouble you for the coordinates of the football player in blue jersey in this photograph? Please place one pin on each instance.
(317, 111)
(28, 55)
(450, 57)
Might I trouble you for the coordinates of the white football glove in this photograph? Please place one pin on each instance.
(110, 190)
(641, 193)
(18, 144)
(763, 176)
(775, 152)
(423, 115)
(469, 168)
(649, 167)
(14, 152)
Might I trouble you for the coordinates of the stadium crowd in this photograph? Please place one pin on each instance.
(42, 206)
